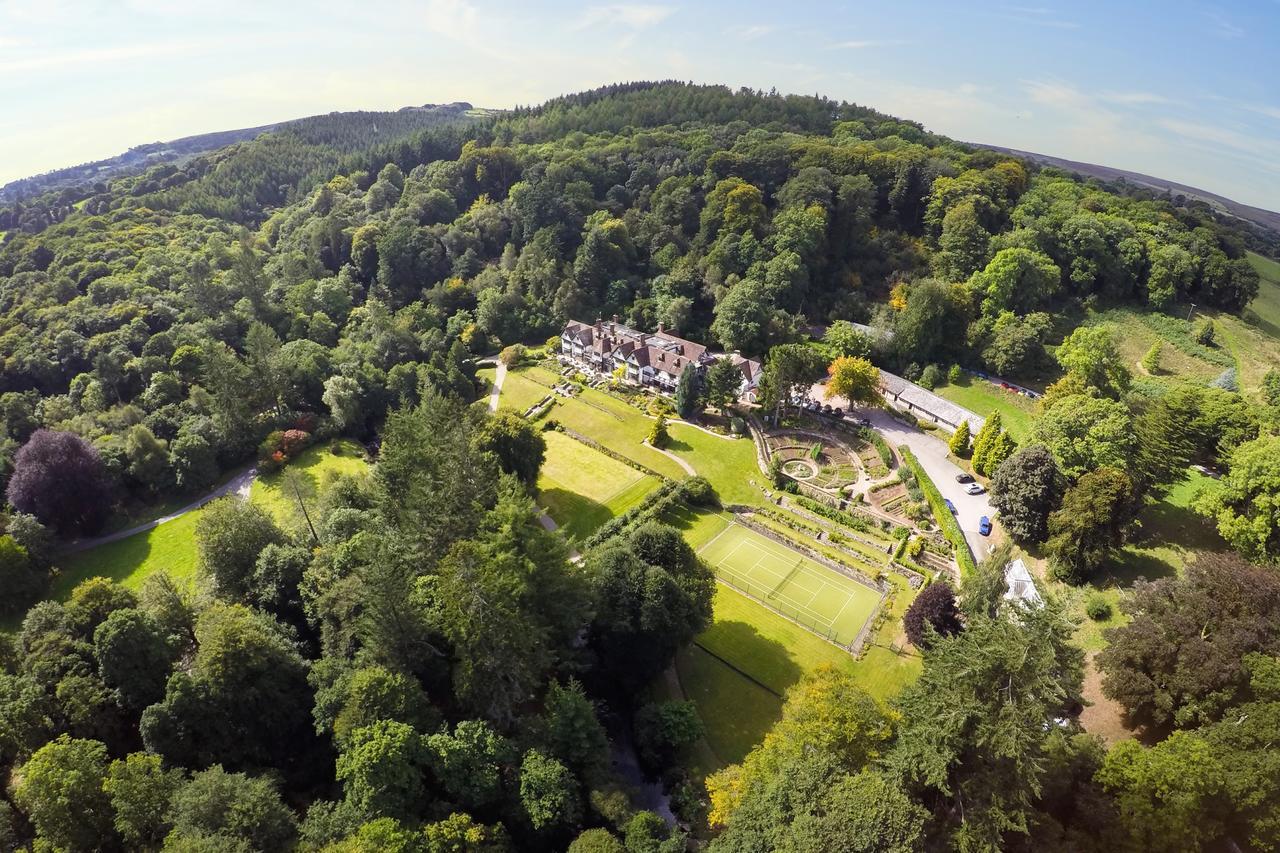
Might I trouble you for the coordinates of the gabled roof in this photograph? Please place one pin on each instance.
(1022, 587)
(922, 398)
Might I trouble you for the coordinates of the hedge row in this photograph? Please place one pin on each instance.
(691, 491)
(946, 521)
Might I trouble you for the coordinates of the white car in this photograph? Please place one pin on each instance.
(974, 489)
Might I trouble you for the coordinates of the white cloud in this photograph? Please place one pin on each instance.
(751, 33)
(455, 19)
(863, 44)
(46, 60)
(1134, 98)
(1039, 16)
(1222, 27)
(633, 16)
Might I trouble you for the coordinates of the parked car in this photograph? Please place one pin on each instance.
(984, 526)
(950, 505)
(974, 489)
(837, 412)
(964, 478)
(863, 422)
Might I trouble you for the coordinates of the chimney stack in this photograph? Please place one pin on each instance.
(661, 329)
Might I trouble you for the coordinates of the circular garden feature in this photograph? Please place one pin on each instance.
(823, 462)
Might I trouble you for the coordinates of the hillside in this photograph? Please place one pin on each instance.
(1266, 219)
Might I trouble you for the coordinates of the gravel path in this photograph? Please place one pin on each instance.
(500, 373)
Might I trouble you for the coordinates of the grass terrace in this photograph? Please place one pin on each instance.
(984, 398)
(583, 488)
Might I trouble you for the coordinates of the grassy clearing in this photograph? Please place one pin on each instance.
(1136, 331)
(171, 547)
(730, 464)
(1264, 310)
(520, 392)
(980, 396)
(316, 466)
(1254, 348)
(583, 488)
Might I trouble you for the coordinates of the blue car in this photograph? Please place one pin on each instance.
(984, 526)
(950, 505)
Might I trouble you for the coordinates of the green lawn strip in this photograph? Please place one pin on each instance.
(317, 464)
(1266, 305)
(946, 520)
(736, 711)
(980, 396)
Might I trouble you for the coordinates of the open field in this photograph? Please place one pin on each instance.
(980, 396)
(736, 711)
(1266, 306)
(583, 488)
(171, 547)
(821, 599)
(730, 464)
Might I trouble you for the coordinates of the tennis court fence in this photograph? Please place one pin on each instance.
(765, 596)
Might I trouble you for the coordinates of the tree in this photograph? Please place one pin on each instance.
(1169, 795)
(723, 382)
(230, 534)
(60, 789)
(548, 792)
(958, 444)
(517, 444)
(1025, 489)
(663, 729)
(845, 339)
(658, 436)
(652, 596)
(933, 613)
(1000, 450)
(230, 811)
(597, 841)
(134, 657)
(975, 726)
(688, 392)
(342, 396)
(1085, 433)
(855, 379)
(1179, 661)
(1243, 503)
(193, 461)
(1090, 352)
(788, 372)
(381, 769)
(573, 731)
(468, 763)
(92, 601)
(141, 792)
(1151, 361)
(20, 578)
(829, 728)
(1016, 279)
(60, 479)
(1205, 332)
(350, 699)
(984, 441)
(1092, 521)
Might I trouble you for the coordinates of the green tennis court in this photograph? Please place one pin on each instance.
(798, 587)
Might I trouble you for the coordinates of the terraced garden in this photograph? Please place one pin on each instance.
(583, 488)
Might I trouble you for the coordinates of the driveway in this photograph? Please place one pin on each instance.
(932, 453)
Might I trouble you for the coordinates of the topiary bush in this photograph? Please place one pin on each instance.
(1097, 607)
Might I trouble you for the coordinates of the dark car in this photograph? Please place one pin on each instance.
(950, 505)
(826, 410)
(984, 526)
(863, 422)
(837, 412)
(964, 478)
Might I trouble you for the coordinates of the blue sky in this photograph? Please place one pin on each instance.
(1185, 91)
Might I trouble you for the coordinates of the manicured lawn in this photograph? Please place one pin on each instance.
(316, 465)
(519, 392)
(980, 396)
(736, 712)
(583, 488)
(730, 464)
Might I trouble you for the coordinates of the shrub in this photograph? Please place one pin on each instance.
(931, 376)
(955, 374)
(513, 355)
(294, 441)
(1097, 607)
(1205, 332)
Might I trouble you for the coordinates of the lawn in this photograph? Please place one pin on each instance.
(520, 390)
(980, 396)
(736, 711)
(730, 464)
(583, 488)
(171, 547)
(316, 465)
